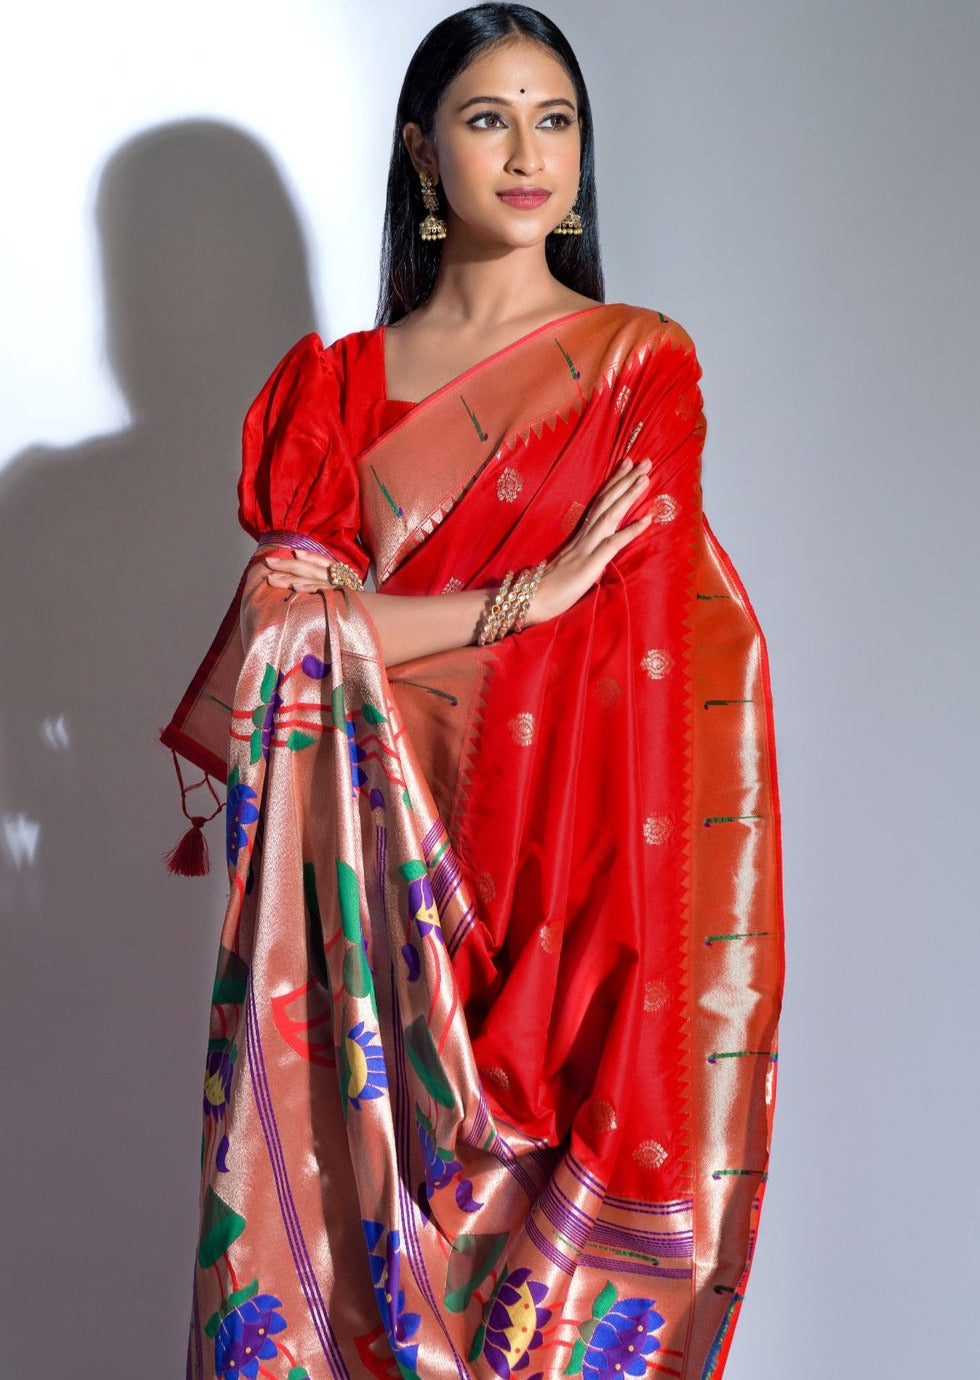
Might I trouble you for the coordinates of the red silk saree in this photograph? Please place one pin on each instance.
(492, 1056)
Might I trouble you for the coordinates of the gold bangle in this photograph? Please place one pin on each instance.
(509, 609)
(509, 606)
(487, 628)
(528, 592)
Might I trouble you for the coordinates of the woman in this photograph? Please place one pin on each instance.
(503, 833)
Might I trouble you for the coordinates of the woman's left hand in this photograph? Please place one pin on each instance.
(305, 572)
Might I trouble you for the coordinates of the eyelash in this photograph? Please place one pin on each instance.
(495, 114)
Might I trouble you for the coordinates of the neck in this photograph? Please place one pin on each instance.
(483, 286)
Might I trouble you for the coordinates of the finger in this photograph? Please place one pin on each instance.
(625, 473)
(611, 546)
(307, 568)
(608, 518)
(283, 581)
(624, 535)
(617, 488)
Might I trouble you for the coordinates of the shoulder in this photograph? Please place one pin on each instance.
(302, 387)
(652, 325)
(306, 360)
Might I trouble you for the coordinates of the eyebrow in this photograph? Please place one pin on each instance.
(502, 100)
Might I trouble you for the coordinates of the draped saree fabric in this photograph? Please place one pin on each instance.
(491, 1068)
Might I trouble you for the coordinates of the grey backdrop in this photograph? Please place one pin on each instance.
(797, 184)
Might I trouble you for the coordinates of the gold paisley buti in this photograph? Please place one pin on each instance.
(656, 994)
(657, 663)
(650, 1154)
(571, 517)
(632, 438)
(509, 485)
(606, 691)
(549, 937)
(522, 729)
(657, 829)
(602, 1114)
(664, 508)
(486, 887)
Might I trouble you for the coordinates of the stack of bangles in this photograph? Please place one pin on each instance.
(509, 609)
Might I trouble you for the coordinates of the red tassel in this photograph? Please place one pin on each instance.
(189, 857)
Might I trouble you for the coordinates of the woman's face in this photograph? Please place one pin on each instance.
(506, 146)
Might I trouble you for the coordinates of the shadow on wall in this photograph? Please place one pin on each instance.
(124, 552)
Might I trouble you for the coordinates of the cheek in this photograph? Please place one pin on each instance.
(471, 175)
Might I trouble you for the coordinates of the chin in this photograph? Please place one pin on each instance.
(516, 236)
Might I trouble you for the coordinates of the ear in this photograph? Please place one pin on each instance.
(420, 151)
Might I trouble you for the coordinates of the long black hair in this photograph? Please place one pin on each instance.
(409, 263)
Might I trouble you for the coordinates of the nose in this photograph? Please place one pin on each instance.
(525, 154)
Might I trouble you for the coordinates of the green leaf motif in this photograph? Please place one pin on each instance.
(255, 746)
(337, 705)
(425, 1061)
(357, 975)
(477, 1346)
(473, 1256)
(412, 870)
(574, 1366)
(240, 1295)
(230, 979)
(220, 1226)
(372, 715)
(297, 740)
(229, 1305)
(268, 682)
(349, 891)
(604, 1301)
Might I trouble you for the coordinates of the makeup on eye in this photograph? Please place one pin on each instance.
(564, 121)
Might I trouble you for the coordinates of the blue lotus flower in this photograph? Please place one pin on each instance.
(440, 1165)
(357, 755)
(239, 811)
(622, 1340)
(244, 1337)
(400, 1327)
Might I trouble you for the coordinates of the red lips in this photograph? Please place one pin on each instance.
(525, 198)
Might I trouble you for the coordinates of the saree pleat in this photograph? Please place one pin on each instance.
(491, 1068)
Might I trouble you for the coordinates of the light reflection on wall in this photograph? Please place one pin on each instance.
(20, 838)
(55, 733)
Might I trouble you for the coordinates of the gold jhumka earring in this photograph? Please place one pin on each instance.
(570, 224)
(433, 227)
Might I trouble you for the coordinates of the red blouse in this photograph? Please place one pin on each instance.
(320, 407)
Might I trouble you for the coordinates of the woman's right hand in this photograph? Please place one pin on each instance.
(598, 538)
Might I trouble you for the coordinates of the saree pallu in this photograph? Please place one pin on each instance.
(492, 1057)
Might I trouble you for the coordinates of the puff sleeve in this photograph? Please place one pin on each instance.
(298, 473)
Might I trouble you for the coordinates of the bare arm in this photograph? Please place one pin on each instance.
(411, 626)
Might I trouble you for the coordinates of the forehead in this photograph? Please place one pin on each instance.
(504, 69)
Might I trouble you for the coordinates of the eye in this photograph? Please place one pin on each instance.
(563, 120)
(493, 115)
